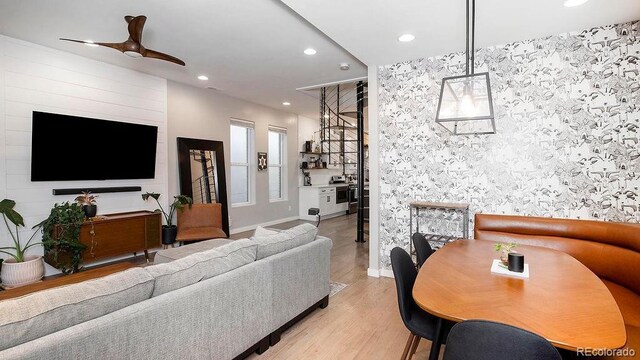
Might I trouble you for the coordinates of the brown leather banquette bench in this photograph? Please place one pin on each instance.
(611, 250)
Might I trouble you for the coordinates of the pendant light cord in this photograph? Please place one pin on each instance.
(470, 55)
(466, 69)
(473, 36)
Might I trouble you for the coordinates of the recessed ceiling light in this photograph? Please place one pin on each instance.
(344, 66)
(286, 103)
(203, 77)
(406, 38)
(90, 43)
(310, 51)
(572, 3)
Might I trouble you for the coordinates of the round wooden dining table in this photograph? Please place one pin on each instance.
(562, 300)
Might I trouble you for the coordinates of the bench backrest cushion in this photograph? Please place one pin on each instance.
(611, 250)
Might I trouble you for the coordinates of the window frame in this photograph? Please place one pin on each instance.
(250, 164)
(282, 132)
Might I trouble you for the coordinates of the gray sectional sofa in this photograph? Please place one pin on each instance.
(219, 300)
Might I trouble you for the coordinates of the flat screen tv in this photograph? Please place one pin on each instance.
(66, 148)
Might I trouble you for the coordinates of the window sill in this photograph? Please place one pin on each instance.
(278, 201)
(242, 205)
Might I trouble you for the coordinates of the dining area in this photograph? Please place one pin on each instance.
(563, 289)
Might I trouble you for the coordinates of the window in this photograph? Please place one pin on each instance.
(277, 163)
(241, 170)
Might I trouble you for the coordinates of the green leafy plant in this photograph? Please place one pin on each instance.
(9, 215)
(87, 198)
(505, 247)
(61, 237)
(178, 203)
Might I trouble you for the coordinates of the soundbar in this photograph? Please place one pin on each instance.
(97, 190)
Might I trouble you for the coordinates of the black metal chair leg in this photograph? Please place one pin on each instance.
(436, 342)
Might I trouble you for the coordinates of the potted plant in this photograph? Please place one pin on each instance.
(61, 237)
(20, 269)
(88, 202)
(169, 231)
(505, 249)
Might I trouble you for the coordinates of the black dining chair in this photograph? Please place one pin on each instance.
(420, 323)
(423, 248)
(487, 340)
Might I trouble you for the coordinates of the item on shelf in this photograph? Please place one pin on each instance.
(305, 165)
(307, 178)
(19, 269)
(308, 146)
(324, 164)
(88, 202)
(169, 231)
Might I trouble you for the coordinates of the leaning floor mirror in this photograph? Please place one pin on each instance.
(202, 173)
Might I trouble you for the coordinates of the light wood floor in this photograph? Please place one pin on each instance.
(361, 322)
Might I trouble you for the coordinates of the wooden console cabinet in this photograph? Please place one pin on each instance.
(121, 234)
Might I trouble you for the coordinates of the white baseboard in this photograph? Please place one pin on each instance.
(376, 273)
(386, 273)
(268, 223)
(373, 272)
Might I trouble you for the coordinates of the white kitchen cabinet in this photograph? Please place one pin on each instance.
(323, 198)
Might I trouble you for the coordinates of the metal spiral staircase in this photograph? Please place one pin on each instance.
(343, 137)
(342, 124)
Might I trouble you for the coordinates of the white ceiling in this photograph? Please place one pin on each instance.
(251, 49)
(369, 29)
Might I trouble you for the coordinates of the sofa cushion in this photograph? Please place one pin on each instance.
(628, 302)
(260, 231)
(38, 314)
(285, 240)
(201, 266)
(168, 255)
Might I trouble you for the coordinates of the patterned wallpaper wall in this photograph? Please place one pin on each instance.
(568, 133)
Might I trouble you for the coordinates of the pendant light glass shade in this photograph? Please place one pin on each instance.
(465, 105)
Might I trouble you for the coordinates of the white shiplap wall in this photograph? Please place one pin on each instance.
(36, 78)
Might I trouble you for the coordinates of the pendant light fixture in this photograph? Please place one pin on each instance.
(465, 106)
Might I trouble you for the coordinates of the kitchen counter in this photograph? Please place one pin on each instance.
(323, 186)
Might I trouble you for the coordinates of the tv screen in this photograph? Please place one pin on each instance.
(77, 148)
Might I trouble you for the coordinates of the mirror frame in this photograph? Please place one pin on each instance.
(185, 145)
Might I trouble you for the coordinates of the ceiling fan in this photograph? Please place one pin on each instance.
(133, 46)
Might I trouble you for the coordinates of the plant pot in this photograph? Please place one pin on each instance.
(90, 210)
(14, 274)
(169, 234)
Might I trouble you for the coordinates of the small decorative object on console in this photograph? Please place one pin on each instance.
(88, 202)
(20, 269)
(169, 231)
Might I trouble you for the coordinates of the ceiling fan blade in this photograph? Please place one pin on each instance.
(158, 55)
(76, 41)
(136, 26)
(117, 46)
